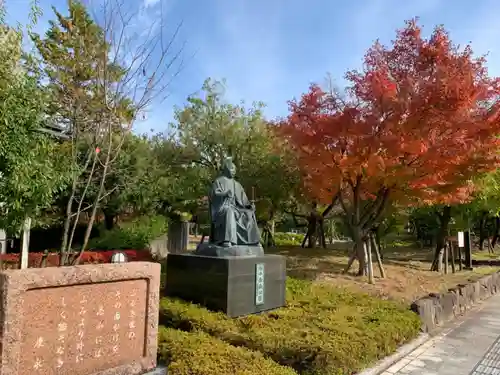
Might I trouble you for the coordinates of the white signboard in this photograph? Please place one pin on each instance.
(461, 241)
(118, 257)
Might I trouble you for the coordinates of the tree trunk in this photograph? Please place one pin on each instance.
(267, 234)
(352, 258)
(67, 234)
(109, 220)
(312, 229)
(331, 233)
(482, 230)
(444, 219)
(497, 231)
(452, 255)
(76, 260)
(360, 251)
(322, 238)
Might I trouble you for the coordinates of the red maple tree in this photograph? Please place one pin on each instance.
(416, 123)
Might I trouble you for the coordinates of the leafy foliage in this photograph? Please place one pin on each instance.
(136, 180)
(30, 163)
(136, 234)
(85, 82)
(420, 121)
(288, 239)
(210, 129)
(74, 54)
(200, 354)
(323, 330)
(11, 261)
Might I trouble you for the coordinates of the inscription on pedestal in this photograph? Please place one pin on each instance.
(259, 284)
(83, 329)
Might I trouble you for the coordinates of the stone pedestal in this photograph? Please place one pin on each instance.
(212, 250)
(235, 285)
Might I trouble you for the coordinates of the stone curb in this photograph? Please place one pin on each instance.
(486, 262)
(401, 352)
(438, 308)
(160, 370)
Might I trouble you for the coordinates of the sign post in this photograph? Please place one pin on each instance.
(468, 251)
(461, 239)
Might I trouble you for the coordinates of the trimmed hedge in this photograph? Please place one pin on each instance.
(88, 257)
(323, 330)
(136, 234)
(200, 354)
(288, 239)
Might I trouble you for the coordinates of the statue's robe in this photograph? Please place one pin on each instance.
(233, 218)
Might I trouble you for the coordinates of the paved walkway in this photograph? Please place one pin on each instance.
(470, 347)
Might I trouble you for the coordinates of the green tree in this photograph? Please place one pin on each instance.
(136, 181)
(74, 53)
(99, 86)
(30, 166)
(210, 129)
(486, 206)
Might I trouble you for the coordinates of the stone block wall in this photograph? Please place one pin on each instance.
(439, 308)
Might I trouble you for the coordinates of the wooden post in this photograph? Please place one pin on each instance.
(446, 251)
(369, 262)
(378, 257)
(3, 242)
(468, 251)
(440, 260)
(365, 255)
(459, 256)
(25, 243)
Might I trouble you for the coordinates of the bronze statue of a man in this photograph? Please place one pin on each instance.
(234, 225)
(233, 215)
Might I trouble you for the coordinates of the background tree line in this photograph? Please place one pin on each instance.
(411, 148)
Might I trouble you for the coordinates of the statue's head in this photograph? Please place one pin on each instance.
(228, 168)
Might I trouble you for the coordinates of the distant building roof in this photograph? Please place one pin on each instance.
(54, 130)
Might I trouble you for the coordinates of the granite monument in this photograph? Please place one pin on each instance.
(90, 319)
(230, 273)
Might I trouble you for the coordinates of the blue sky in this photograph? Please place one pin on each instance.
(271, 50)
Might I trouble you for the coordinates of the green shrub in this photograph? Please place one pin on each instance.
(136, 234)
(323, 330)
(200, 354)
(288, 239)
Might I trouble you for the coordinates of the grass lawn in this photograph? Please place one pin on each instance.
(407, 271)
(485, 255)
